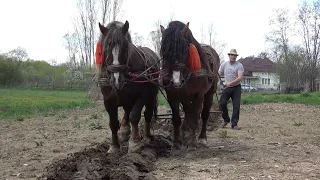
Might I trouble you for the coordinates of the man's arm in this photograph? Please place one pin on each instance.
(237, 80)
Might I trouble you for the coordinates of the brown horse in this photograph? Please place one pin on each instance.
(124, 82)
(194, 90)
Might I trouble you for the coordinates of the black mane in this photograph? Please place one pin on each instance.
(173, 46)
(115, 37)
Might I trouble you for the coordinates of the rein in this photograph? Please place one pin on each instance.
(148, 77)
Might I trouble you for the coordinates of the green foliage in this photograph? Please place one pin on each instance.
(17, 70)
(21, 103)
(9, 71)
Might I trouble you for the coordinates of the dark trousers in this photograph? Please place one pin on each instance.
(235, 94)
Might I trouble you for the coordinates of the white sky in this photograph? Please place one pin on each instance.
(39, 25)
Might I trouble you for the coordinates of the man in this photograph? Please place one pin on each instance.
(232, 71)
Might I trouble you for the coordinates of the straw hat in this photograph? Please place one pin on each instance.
(233, 52)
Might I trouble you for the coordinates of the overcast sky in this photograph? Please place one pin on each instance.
(39, 25)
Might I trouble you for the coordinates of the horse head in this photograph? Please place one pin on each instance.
(115, 49)
(174, 52)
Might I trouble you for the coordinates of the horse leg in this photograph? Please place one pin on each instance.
(112, 110)
(125, 125)
(176, 121)
(134, 117)
(151, 104)
(192, 118)
(185, 126)
(207, 103)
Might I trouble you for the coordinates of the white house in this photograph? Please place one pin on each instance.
(260, 73)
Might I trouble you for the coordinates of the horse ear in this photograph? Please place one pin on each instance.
(162, 29)
(125, 28)
(185, 30)
(103, 29)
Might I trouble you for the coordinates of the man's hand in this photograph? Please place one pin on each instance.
(228, 84)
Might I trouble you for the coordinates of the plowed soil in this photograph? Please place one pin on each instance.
(277, 141)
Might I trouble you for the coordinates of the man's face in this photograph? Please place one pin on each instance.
(232, 57)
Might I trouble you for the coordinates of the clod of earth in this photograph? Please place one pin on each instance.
(95, 163)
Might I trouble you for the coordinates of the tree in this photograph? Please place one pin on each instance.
(155, 37)
(210, 37)
(309, 23)
(263, 55)
(71, 44)
(110, 10)
(84, 26)
(137, 39)
(9, 73)
(81, 42)
(279, 39)
(18, 53)
(203, 34)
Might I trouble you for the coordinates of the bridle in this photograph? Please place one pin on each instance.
(133, 77)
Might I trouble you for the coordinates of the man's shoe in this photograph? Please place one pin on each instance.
(224, 124)
(236, 128)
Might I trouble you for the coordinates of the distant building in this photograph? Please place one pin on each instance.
(260, 73)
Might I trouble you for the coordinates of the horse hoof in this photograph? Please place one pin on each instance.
(113, 149)
(203, 142)
(134, 147)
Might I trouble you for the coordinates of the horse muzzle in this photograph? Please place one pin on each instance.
(177, 84)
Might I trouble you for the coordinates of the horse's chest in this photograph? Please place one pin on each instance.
(197, 84)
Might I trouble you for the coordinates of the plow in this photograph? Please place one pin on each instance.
(168, 116)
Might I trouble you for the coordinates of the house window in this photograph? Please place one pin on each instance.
(265, 81)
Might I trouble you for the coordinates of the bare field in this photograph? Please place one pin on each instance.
(277, 141)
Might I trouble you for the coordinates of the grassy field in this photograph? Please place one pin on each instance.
(258, 97)
(23, 103)
(303, 98)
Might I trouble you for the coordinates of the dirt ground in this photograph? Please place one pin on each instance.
(277, 141)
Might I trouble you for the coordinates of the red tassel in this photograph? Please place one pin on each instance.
(99, 56)
(194, 59)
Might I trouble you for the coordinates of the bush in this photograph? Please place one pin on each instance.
(10, 73)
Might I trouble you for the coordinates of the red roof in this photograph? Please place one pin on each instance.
(256, 64)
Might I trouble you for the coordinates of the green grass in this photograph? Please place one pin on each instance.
(258, 97)
(303, 98)
(19, 104)
(25, 103)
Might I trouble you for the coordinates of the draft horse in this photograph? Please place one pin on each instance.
(124, 82)
(192, 81)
